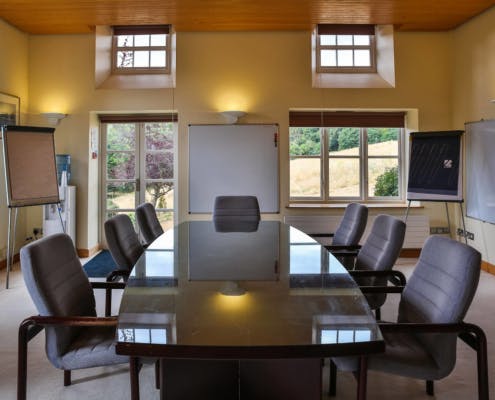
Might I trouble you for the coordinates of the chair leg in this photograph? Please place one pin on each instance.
(134, 376)
(67, 377)
(22, 362)
(482, 362)
(157, 374)
(430, 388)
(332, 383)
(108, 302)
(362, 378)
(378, 314)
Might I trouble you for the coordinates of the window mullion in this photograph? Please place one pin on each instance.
(363, 151)
(324, 166)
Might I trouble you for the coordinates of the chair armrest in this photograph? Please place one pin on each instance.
(108, 285)
(395, 277)
(72, 320)
(469, 333)
(320, 234)
(118, 273)
(344, 250)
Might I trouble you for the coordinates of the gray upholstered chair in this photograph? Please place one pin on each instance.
(148, 222)
(236, 208)
(350, 229)
(125, 248)
(379, 253)
(422, 344)
(75, 337)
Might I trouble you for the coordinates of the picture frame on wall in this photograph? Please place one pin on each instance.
(10, 109)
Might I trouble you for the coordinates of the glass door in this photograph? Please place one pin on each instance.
(138, 166)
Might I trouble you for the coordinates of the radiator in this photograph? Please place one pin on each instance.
(417, 228)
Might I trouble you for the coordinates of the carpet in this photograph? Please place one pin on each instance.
(100, 265)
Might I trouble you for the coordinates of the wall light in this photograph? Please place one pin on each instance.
(53, 118)
(233, 115)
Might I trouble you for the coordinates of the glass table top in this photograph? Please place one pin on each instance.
(238, 287)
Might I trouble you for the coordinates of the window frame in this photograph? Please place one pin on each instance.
(340, 30)
(141, 30)
(363, 157)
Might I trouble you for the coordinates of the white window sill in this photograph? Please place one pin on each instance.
(344, 205)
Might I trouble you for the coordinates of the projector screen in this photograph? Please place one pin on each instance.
(480, 170)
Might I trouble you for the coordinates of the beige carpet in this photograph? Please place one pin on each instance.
(46, 382)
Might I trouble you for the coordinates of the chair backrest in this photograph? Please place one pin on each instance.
(148, 222)
(351, 226)
(236, 208)
(58, 286)
(380, 252)
(123, 241)
(440, 290)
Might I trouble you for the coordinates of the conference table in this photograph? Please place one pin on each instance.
(243, 311)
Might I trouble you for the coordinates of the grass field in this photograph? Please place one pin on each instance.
(344, 173)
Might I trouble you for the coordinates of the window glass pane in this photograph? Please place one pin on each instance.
(160, 194)
(304, 142)
(125, 40)
(343, 177)
(328, 40)
(344, 58)
(362, 58)
(305, 177)
(142, 40)
(158, 59)
(361, 40)
(328, 58)
(121, 136)
(343, 141)
(141, 58)
(383, 141)
(125, 59)
(159, 135)
(121, 165)
(158, 40)
(344, 40)
(383, 177)
(121, 195)
(159, 165)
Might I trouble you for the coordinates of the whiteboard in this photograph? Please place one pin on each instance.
(30, 168)
(435, 167)
(480, 170)
(233, 160)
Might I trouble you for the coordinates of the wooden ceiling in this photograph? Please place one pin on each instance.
(80, 16)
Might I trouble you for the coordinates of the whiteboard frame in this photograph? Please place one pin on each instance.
(268, 193)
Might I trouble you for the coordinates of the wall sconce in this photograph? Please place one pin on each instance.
(233, 115)
(54, 118)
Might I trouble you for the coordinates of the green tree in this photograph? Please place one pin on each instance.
(348, 138)
(387, 184)
(304, 141)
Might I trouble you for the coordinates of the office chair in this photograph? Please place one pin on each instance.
(125, 248)
(422, 344)
(350, 229)
(75, 337)
(236, 208)
(148, 223)
(379, 253)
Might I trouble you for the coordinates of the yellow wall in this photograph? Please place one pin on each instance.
(265, 73)
(473, 63)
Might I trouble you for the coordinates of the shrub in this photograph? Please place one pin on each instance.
(387, 184)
